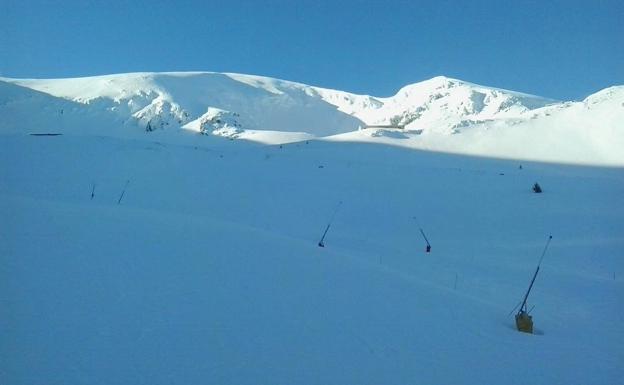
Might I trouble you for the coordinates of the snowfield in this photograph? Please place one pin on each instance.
(188, 253)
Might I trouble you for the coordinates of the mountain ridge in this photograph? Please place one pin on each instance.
(275, 111)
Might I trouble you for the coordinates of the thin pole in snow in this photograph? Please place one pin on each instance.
(123, 192)
(526, 296)
(321, 244)
(428, 249)
(514, 309)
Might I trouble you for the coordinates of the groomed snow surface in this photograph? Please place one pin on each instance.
(207, 271)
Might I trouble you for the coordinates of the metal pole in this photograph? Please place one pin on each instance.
(426, 240)
(526, 296)
(321, 244)
(123, 192)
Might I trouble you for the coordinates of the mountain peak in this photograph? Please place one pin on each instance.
(429, 85)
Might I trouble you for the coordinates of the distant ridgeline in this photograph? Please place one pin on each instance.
(425, 115)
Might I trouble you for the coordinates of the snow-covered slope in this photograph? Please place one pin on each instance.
(440, 114)
(587, 132)
(135, 262)
(143, 246)
(23, 110)
(160, 100)
(440, 104)
(174, 100)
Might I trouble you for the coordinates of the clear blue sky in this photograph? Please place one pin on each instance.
(560, 49)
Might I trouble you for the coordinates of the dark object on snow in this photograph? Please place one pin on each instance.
(524, 322)
(46, 134)
(537, 188)
(428, 248)
(123, 192)
(321, 243)
(520, 167)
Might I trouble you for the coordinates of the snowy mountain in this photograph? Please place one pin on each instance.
(179, 100)
(440, 114)
(587, 132)
(439, 104)
(160, 241)
(24, 110)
